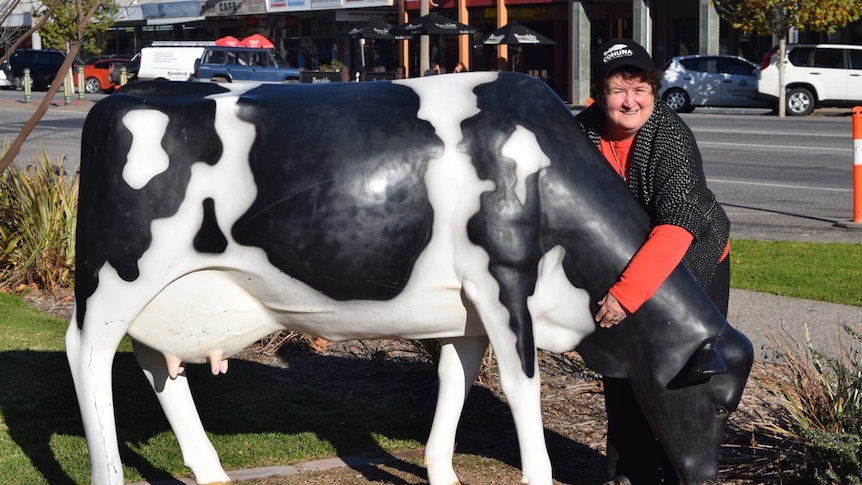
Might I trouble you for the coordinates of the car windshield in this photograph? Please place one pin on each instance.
(279, 61)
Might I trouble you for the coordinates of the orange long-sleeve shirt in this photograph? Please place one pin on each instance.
(657, 257)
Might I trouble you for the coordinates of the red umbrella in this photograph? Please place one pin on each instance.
(229, 41)
(257, 40)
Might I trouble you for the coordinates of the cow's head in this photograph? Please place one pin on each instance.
(687, 367)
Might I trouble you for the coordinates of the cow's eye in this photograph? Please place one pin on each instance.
(720, 411)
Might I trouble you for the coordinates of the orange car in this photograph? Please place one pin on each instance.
(97, 74)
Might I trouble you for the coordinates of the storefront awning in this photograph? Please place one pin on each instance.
(173, 20)
(164, 13)
(18, 20)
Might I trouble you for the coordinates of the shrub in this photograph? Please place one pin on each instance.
(822, 397)
(38, 210)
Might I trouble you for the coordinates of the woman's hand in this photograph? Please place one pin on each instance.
(610, 312)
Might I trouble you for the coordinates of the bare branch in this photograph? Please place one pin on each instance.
(74, 48)
(38, 25)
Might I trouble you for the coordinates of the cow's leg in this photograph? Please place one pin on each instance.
(524, 396)
(460, 360)
(522, 392)
(179, 407)
(91, 352)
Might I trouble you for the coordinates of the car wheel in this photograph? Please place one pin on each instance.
(678, 100)
(219, 79)
(92, 85)
(800, 102)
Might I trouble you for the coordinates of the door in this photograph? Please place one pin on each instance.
(702, 81)
(854, 84)
(829, 73)
(739, 82)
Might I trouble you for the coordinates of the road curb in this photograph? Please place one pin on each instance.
(284, 470)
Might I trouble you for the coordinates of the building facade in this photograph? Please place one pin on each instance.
(310, 33)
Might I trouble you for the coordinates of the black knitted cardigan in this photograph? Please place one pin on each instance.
(666, 176)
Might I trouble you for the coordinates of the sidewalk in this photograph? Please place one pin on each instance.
(57, 102)
(764, 317)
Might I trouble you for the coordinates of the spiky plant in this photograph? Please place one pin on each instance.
(38, 211)
(822, 396)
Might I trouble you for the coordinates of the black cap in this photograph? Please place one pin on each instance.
(617, 53)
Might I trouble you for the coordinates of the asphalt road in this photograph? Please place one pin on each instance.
(781, 179)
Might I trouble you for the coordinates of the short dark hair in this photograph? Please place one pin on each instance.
(651, 76)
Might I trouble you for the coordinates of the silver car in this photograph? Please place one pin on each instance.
(709, 80)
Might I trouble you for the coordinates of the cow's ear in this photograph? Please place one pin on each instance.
(706, 361)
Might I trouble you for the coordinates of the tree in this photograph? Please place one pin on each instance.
(82, 18)
(7, 35)
(777, 17)
(13, 37)
(63, 24)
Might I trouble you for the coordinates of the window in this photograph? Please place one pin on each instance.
(214, 57)
(701, 64)
(735, 66)
(855, 58)
(800, 56)
(828, 58)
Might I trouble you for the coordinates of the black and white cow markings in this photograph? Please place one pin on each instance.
(467, 208)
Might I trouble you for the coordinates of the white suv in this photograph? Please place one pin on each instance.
(815, 75)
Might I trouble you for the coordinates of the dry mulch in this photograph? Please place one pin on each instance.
(573, 411)
(572, 400)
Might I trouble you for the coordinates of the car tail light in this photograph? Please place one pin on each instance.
(768, 57)
(665, 66)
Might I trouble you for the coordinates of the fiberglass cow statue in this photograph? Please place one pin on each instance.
(469, 208)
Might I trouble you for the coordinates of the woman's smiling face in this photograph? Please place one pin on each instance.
(628, 104)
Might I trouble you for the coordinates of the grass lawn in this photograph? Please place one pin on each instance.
(253, 420)
(830, 272)
(256, 420)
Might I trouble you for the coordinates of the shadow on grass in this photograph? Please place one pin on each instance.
(38, 402)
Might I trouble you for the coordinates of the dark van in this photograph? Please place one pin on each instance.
(231, 64)
(43, 65)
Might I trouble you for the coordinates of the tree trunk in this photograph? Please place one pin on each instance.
(782, 92)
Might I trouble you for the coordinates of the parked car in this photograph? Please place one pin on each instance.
(43, 65)
(815, 75)
(131, 66)
(709, 80)
(170, 60)
(97, 74)
(230, 64)
(92, 59)
(5, 82)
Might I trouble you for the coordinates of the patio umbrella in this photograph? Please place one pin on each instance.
(434, 24)
(257, 40)
(514, 33)
(373, 29)
(228, 41)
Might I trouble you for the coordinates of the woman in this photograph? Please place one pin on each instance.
(655, 154)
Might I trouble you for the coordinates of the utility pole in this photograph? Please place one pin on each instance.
(424, 43)
(502, 49)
